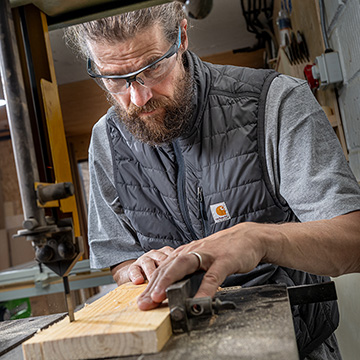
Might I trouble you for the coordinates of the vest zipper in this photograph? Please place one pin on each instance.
(203, 214)
(181, 190)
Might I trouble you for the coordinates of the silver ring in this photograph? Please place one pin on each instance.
(199, 258)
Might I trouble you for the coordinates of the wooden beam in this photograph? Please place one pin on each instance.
(305, 17)
(83, 103)
(111, 326)
(254, 59)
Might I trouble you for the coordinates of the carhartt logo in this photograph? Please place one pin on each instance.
(220, 212)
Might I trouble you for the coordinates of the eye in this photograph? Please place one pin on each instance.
(154, 68)
(114, 85)
(110, 82)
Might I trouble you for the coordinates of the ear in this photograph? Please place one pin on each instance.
(184, 36)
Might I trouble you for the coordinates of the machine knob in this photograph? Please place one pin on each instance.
(44, 253)
(66, 250)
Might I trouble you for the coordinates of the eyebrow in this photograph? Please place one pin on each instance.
(145, 63)
(151, 60)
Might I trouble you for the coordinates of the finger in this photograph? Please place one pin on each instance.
(186, 248)
(148, 266)
(167, 250)
(145, 265)
(168, 273)
(176, 270)
(211, 281)
(158, 256)
(135, 274)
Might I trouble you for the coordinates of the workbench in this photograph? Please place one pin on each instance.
(260, 328)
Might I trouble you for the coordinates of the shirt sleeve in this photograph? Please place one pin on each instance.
(305, 162)
(111, 237)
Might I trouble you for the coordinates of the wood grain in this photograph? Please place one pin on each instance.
(111, 326)
(83, 103)
(254, 59)
(305, 16)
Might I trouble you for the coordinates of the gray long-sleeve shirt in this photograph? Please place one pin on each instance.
(304, 160)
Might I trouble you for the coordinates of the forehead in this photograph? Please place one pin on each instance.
(131, 54)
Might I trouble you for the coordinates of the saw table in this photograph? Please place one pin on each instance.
(261, 327)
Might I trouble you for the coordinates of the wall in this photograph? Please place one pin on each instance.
(13, 251)
(343, 19)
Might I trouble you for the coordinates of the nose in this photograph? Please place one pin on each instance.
(139, 95)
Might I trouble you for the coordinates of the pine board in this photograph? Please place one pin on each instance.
(111, 326)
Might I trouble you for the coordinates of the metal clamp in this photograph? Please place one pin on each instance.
(184, 309)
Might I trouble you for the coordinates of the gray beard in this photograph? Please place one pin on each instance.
(162, 128)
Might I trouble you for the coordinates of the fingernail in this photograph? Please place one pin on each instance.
(156, 291)
(138, 280)
(145, 300)
(157, 295)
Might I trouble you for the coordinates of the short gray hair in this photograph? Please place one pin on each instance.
(125, 26)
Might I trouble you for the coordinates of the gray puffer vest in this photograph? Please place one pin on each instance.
(212, 178)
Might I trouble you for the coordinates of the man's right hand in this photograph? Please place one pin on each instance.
(137, 271)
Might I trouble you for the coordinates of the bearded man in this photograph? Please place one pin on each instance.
(230, 170)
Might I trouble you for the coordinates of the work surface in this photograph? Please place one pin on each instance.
(260, 328)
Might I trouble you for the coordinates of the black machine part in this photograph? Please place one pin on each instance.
(185, 310)
(54, 192)
(197, 9)
(53, 242)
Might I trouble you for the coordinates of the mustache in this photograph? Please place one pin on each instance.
(151, 105)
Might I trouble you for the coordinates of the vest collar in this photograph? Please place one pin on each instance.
(201, 83)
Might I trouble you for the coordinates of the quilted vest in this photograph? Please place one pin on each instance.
(211, 178)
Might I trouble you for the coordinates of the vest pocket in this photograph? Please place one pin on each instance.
(202, 211)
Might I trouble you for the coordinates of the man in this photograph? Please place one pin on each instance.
(242, 159)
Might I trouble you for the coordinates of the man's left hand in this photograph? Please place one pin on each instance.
(220, 258)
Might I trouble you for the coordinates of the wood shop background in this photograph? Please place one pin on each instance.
(231, 34)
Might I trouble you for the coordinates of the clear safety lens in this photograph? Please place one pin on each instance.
(148, 78)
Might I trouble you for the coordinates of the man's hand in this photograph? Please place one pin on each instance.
(137, 271)
(220, 258)
(324, 247)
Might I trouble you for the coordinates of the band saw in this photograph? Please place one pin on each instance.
(246, 323)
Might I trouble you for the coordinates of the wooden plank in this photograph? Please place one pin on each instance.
(80, 145)
(83, 103)
(20, 249)
(10, 186)
(328, 99)
(4, 250)
(284, 66)
(305, 16)
(254, 59)
(111, 326)
(3, 121)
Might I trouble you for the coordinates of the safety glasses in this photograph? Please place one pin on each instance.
(147, 76)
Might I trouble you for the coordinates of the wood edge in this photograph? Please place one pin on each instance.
(151, 341)
(164, 333)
